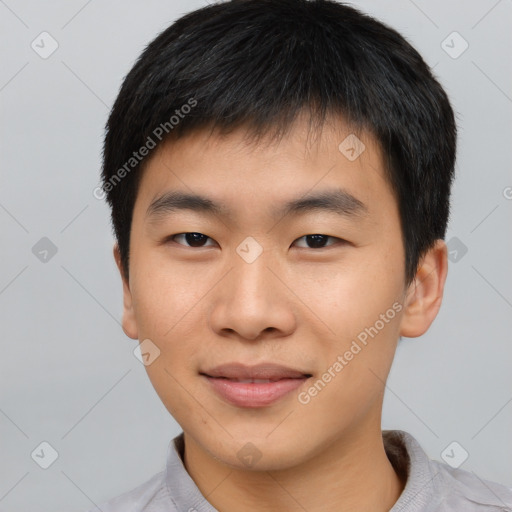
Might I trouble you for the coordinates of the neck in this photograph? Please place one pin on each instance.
(353, 473)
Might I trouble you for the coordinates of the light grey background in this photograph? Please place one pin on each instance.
(68, 375)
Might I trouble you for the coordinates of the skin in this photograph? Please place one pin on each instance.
(295, 305)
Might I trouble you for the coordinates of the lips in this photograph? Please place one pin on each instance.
(254, 386)
(263, 372)
(250, 381)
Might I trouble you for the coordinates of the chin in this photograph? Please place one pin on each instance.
(259, 452)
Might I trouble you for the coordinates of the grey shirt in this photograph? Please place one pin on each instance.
(430, 485)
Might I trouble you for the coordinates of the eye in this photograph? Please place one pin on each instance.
(196, 240)
(317, 241)
(192, 239)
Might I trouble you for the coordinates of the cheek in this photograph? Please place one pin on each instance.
(360, 305)
(166, 297)
(351, 294)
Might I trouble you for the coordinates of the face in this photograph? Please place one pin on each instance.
(308, 300)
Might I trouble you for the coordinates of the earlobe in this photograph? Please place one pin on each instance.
(425, 293)
(129, 322)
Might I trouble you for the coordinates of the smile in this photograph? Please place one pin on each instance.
(254, 386)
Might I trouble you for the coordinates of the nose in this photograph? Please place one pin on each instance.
(252, 302)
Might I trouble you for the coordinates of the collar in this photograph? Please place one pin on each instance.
(421, 492)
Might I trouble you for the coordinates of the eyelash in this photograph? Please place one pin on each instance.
(340, 240)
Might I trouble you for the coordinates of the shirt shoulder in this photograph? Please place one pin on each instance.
(433, 486)
(463, 490)
(171, 490)
(151, 496)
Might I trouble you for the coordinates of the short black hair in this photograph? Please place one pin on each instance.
(259, 63)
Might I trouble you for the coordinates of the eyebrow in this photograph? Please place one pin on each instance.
(338, 201)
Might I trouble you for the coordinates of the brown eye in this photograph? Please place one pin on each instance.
(317, 241)
(191, 239)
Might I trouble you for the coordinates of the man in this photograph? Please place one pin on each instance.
(279, 175)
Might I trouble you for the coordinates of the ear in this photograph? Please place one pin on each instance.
(425, 293)
(129, 322)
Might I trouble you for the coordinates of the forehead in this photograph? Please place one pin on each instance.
(237, 171)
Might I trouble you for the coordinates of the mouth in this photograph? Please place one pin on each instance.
(254, 386)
